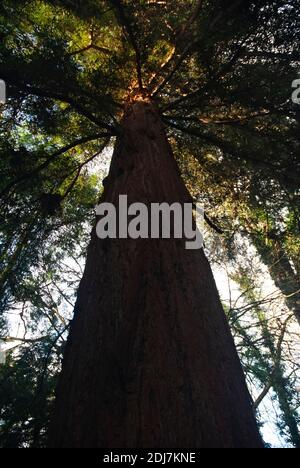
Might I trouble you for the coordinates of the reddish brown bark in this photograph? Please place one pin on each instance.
(150, 360)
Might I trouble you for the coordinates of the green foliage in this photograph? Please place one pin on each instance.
(27, 384)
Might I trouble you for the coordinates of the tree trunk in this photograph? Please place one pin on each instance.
(150, 361)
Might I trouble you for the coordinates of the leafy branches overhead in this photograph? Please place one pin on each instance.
(202, 60)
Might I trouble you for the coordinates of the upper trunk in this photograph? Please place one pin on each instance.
(150, 361)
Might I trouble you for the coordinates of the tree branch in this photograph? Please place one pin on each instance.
(31, 89)
(227, 148)
(212, 224)
(50, 159)
(262, 396)
(78, 170)
(194, 15)
(11, 339)
(233, 121)
(69, 100)
(89, 47)
(225, 69)
(181, 59)
(277, 359)
(127, 26)
(181, 37)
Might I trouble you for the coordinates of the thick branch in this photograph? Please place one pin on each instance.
(181, 59)
(12, 339)
(182, 37)
(228, 148)
(194, 15)
(293, 57)
(80, 167)
(225, 69)
(90, 47)
(212, 224)
(31, 89)
(277, 359)
(51, 158)
(179, 39)
(262, 396)
(128, 28)
(234, 121)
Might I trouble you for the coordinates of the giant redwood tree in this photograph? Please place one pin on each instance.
(150, 361)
